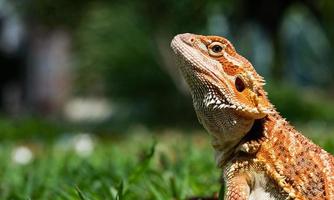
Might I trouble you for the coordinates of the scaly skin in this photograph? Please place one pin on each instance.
(262, 156)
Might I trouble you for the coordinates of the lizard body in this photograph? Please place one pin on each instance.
(261, 154)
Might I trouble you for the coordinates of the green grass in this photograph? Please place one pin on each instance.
(168, 165)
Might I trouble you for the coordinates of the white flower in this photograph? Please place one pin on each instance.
(83, 144)
(22, 155)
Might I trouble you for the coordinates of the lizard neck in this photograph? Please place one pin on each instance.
(250, 142)
(225, 126)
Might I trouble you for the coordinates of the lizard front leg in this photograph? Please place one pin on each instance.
(238, 187)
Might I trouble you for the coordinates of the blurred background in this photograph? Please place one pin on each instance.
(86, 71)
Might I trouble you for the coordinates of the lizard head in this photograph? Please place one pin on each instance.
(227, 92)
(225, 79)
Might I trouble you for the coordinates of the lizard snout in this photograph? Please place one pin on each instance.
(187, 38)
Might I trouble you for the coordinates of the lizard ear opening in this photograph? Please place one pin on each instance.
(239, 84)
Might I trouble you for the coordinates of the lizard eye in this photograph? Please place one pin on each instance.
(216, 49)
(239, 84)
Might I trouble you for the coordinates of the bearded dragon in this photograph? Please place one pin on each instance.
(261, 154)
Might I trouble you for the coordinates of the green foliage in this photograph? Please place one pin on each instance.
(128, 169)
(301, 105)
(177, 166)
(111, 43)
(29, 129)
(121, 50)
(117, 55)
(117, 46)
(50, 14)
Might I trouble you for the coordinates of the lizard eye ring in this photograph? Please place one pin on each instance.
(216, 49)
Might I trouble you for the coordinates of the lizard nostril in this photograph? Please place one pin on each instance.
(192, 40)
(239, 84)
